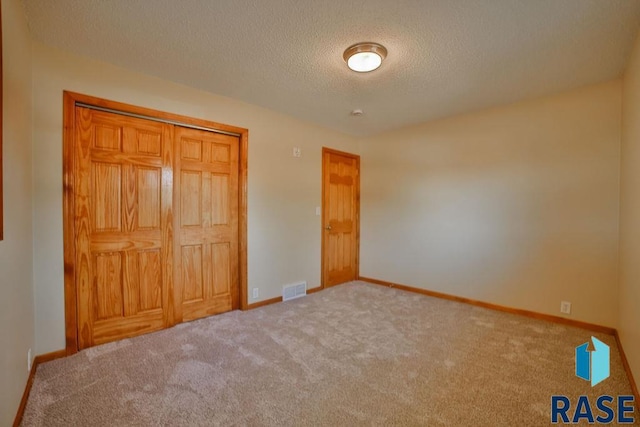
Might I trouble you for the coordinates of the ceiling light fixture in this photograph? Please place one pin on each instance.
(364, 57)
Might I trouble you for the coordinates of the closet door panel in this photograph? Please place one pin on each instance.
(206, 182)
(124, 245)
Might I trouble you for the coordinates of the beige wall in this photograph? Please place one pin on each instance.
(16, 273)
(515, 205)
(630, 215)
(284, 232)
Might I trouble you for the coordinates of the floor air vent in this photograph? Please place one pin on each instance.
(294, 291)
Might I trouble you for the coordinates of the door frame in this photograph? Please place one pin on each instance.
(323, 245)
(70, 99)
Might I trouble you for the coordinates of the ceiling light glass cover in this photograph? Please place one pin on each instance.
(364, 57)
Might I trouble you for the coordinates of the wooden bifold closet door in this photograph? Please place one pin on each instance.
(156, 225)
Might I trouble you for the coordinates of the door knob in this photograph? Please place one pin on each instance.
(328, 227)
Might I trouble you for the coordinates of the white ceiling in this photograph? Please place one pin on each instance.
(445, 56)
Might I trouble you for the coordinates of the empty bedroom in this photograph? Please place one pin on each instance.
(320, 213)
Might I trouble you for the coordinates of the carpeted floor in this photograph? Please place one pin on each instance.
(355, 354)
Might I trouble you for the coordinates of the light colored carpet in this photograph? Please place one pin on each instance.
(355, 354)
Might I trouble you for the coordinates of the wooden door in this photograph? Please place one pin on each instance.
(123, 202)
(340, 217)
(206, 223)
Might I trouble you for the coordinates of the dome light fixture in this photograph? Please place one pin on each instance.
(364, 57)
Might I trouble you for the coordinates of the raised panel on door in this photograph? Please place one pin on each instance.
(123, 206)
(148, 188)
(108, 297)
(192, 277)
(191, 198)
(107, 196)
(149, 268)
(340, 199)
(221, 259)
(206, 230)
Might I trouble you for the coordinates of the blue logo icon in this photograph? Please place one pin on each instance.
(593, 364)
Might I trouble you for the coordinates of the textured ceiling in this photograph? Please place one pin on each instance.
(445, 56)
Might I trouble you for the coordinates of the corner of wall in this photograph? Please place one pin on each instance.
(629, 244)
(17, 333)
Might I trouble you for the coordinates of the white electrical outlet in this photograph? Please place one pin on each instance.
(297, 152)
(29, 360)
(255, 293)
(565, 307)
